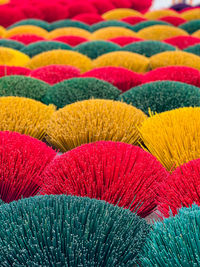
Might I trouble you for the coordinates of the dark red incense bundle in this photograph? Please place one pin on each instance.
(183, 42)
(71, 40)
(55, 73)
(79, 7)
(102, 6)
(10, 15)
(118, 173)
(174, 73)
(53, 11)
(12, 70)
(133, 20)
(182, 188)
(27, 38)
(23, 159)
(88, 18)
(125, 40)
(31, 11)
(176, 21)
(120, 77)
(121, 3)
(141, 6)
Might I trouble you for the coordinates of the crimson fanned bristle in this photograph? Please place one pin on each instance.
(181, 189)
(118, 76)
(118, 173)
(23, 159)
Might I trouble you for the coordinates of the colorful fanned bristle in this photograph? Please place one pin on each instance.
(62, 57)
(2, 31)
(118, 173)
(196, 34)
(108, 24)
(182, 42)
(148, 23)
(148, 48)
(35, 22)
(10, 15)
(175, 58)
(102, 6)
(125, 59)
(142, 6)
(162, 96)
(194, 49)
(66, 23)
(26, 29)
(191, 26)
(180, 189)
(12, 57)
(109, 121)
(156, 14)
(70, 40)
(133, 20)
(52, 11)
(175, 241)
(173, 136)
(78, 7)
(174, 73)
(122, 5)
(19, 85)
(174, 20)
(27, 39)
(23, 160)
(88, 18)
(191, 14)
(112, 32)
(9, 70)
(78, 89)
(160, 32)
(39, 47)
(26, 116)
(120, 13)
(125, 40)
(60, 228)
(95, 49)
(55, 73)
(120, 77)
(11, 44)
(69, 31)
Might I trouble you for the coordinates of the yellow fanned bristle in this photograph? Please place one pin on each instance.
(112, 32)
(128, 60)
(3, 2)
(173, 137)
(12, 57)
(94, 120)
(191, 14)
(26, 29)
(2, 31)
(160, 32)
(120, 13)
(175, 58)
(156, 14)
(69, 31)
(25, 116)
(61, 57)
(196, 34)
